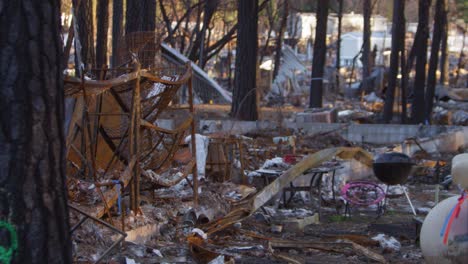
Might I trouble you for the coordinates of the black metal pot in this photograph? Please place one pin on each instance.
(392, 167)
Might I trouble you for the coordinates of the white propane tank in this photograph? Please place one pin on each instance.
(460, 170)
(432, 246)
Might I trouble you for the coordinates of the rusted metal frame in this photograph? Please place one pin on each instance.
(181, 80)
(185, 173)
(135, 125)
(153, 148)
(172, 149)
(119, 100)
(109, 114)
(241, 157)
(179, 129)
(117, 150)
(111, 144)
(161, 104)
(122, 187)
(112, 228)
(84, 162)
(192, 133)
(92, 143)
(227, 162)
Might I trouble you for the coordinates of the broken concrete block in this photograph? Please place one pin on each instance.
(317, 116)
(297, 225)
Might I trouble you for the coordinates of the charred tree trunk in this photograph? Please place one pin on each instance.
(149, 15)
(338, 44)
(117, 30)
(86, 32)
(140, 16)
(279, 40)
(434, 59)
(444, 48)
(244, 101)
(420, 45)
(199, 42)
(102, 30)
(320, 50)
(366, 48)
(33, 197)
(398, 32)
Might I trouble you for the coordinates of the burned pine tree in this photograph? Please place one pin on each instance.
(140, 16)
(279, 39)
(398, 32)
(366, 45)
(338, 44)
(244, 100)
(434, 59)
(320, 50)
(84, 16)
(102, 29)
(420, 47)
(117, 29)
(33, 198)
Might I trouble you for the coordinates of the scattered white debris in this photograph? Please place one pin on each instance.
(373, 98)
(388, 242)
(260, 247)
(395, 190)
(217, 260)
(275, 162)
(157, 252)
(345, 113)
(200, 232)
(299, 212)
(234, 195)
(202, 143)
(423, 210)
(253, 174)
(129, 261)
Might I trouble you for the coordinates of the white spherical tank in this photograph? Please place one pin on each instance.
(433, 248)
(460, 170)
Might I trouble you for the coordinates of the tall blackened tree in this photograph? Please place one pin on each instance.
(398, 33)
(197, 53)
(338, 44)
(444, 47)
(84, 9)
(320, 51)
(140, 16)
(279, 39)
(33, 199)
(117, 29)
(434, 59)
(366, 46)
(244, 101)
(102, 30)
(420, 44)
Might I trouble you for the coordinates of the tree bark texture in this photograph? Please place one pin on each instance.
(444, 78)
(279, 40)
(420, 44)
(199, 42)
(398, 32)
(102, 31)
(33, 196)
(434, 59)
(117, 30)
(140, 16)
(338, 44)
(244, 103)
(86, 32)
(366, 48)
(320, 51)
